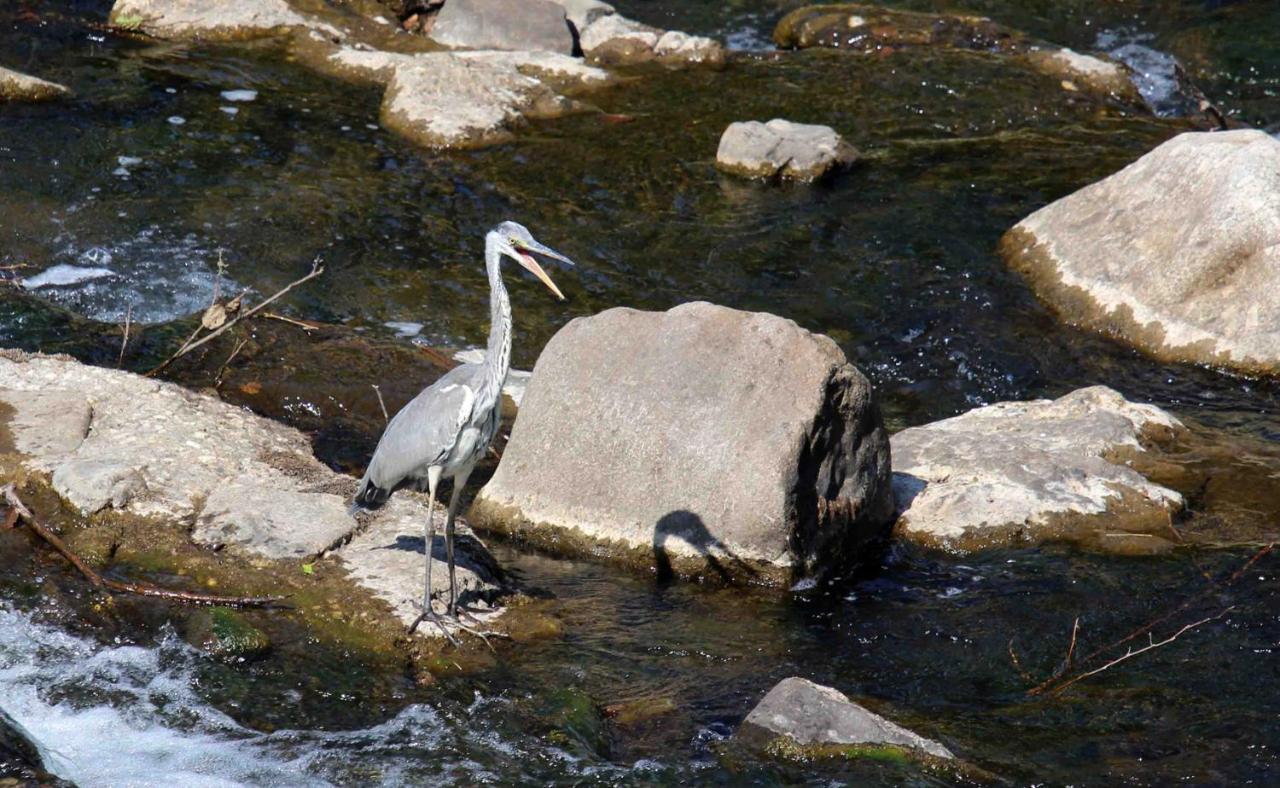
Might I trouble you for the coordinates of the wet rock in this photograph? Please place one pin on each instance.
(796, 151)
(634, 712)
(19, 755)
(1035, 470)
(1105, 256)
(583, 12)
(1087, 72)
(16, 86)
(703, 441)
(189, 459)
(613, 39)
(95, 484)
(223, 633)
(223, 20)
(504, 24)
(870, 29)
(811, 714)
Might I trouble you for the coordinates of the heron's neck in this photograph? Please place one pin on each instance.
(498, 358)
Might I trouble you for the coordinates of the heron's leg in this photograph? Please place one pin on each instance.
(459, 482)
(429, 535)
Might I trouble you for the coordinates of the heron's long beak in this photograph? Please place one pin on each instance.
(534, 268)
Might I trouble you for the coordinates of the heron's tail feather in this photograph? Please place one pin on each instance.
(369, 497)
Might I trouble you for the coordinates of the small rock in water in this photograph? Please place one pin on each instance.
(404, 330)
(128, 161)
(177, 120)
(230, 110)
(1155, 73)
(813, 715)
(797, 151)
(239, 95)
(62, 275)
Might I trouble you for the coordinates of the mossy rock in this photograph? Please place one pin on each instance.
(223, 633)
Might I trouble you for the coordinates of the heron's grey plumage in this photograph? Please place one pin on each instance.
(445, 430)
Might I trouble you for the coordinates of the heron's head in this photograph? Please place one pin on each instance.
(515, 241)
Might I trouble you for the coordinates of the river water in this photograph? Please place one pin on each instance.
(173, 156)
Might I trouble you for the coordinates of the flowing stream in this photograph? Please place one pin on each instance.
(179, 168)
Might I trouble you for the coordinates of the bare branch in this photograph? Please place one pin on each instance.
(381, 404)
(128, 318)
(188, 346)
(17, 509)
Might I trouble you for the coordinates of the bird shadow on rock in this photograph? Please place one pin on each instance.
(689, 528)
(468, 552)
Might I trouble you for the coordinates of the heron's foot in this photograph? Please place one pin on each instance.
(428, 614)
(465, 613)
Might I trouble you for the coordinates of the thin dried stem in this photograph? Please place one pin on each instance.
(1017, 663)
(1151, 646)
(124, 342)
(381, 404)
(188, 346)
(217, 379)
(303, 324)
(17, 509)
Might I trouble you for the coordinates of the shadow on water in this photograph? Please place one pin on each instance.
(689, 528)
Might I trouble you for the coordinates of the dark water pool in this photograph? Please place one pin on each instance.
(147, 174)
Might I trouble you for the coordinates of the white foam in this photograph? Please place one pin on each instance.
(152, 275)
(404, 330)
(239, 95)
(62, 275)
(177, 120)
(1155, 72)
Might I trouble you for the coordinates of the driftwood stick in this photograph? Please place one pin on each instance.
(1132, 652)
(188, 346)
(17, 509)
(381, 404)
(305, 325)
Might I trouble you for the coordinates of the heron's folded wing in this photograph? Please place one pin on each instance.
(424, 431)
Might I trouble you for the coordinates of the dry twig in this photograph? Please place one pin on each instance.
(189, 345)
(17, 509)
(217, 379)
(124, 342)
(1151, 645)
(303, 324)
(381, 404)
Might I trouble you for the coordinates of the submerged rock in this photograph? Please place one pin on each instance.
(504, 24)
(222, 20)
(1035, 470)
(871, 29)
(21, 760)
(1194, 279)
(226, 634)
(796, 151)
(16, 86)
(703, 441)
(813, 715)
(155, 450)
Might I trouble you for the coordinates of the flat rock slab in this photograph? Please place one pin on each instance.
(221, 20)
(613, 39)
(780, 148)
(703, 441)
(529, 25)
(388, 558)
(112, 439)
(1193, 279)
(1018, 471)
(16, 86)
(464, 99)
(812, 714)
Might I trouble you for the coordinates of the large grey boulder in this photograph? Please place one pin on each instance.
(703, 441)
(504, 24)
(1177, 254)
(797, 151)
(222, 20)
(112, 439)
(583, 12)
(1018, 471)
(16, 86)
(811, 714)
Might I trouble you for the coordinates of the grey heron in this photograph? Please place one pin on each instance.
(444, 431)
